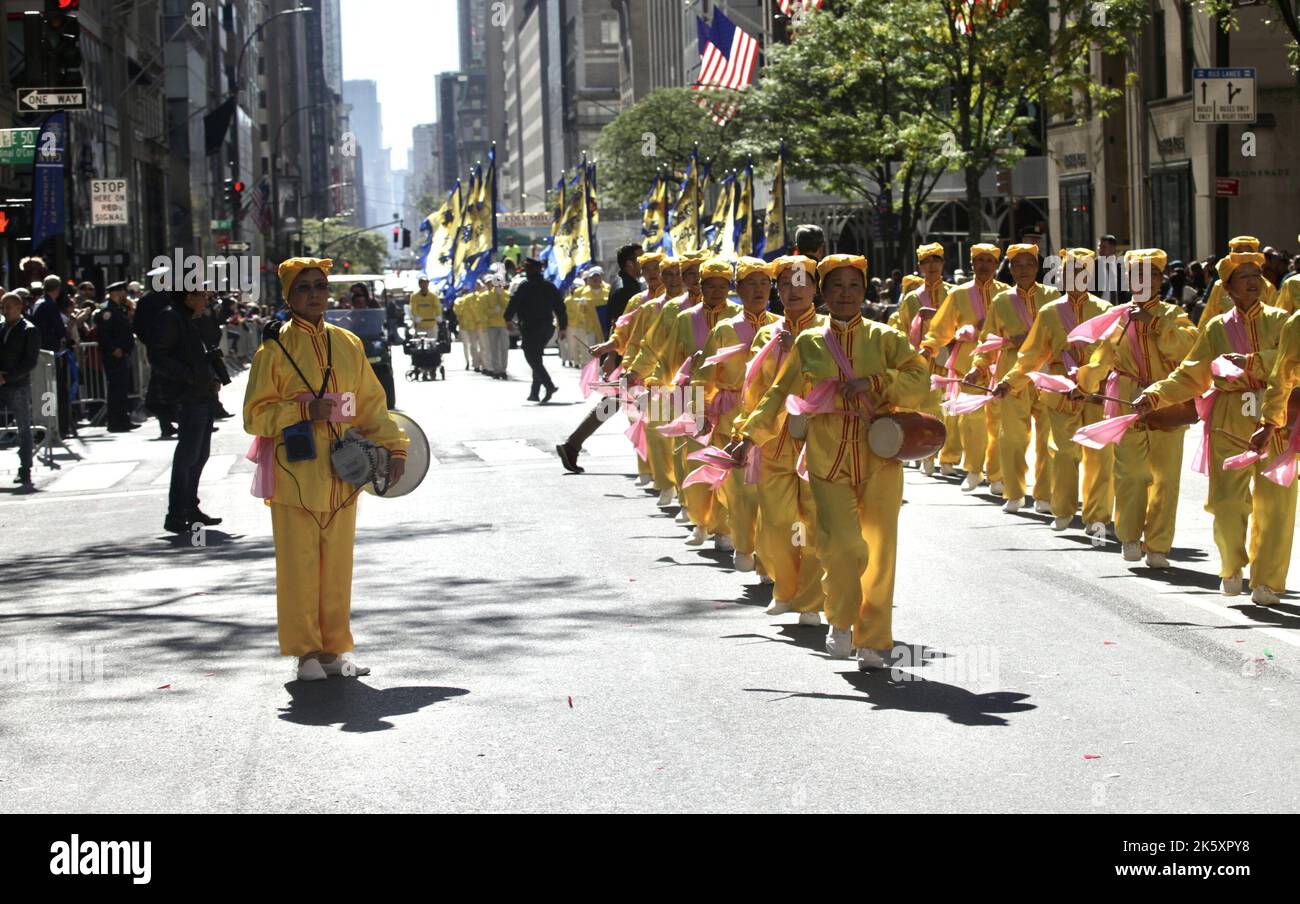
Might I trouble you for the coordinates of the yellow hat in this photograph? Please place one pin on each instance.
(747, 266)
(670, 263)
(1230, 262)
(790, 261)
(1243, 243)
(985, 248)
(1082, 256)
(912, 281)
(289, 270)
(929, 250)
(835, 261)
(651, 257)
(1155, 256)
(716, 268)
(691, 260)
(1014, 251)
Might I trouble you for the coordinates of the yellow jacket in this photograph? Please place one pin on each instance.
(901, 319)
(766, 376)
(594, 301)
(1165, 341)
(492, 308)
(466, 311)
(729, 375)
(1220, 302)
(622, 335)
(682, 342)
(426, 308)
(957, 311)
(1046, 345)
(837, 444)
(658, 331)
(271, 405)
(1005, 320)
(1284, 376)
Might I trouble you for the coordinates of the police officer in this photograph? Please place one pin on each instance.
(538, 305)
(116, 342)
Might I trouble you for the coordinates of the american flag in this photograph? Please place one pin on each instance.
(791, 7)
(727, 63)
(259, 204)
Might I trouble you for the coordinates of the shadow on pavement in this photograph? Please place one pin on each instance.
(356, 706)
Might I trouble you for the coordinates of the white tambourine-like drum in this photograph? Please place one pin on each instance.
(417, 459)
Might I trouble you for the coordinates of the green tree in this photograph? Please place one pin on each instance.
(1288, 12)
(658, 131)
(367, 252)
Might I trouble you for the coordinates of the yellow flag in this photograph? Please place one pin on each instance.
(684, 226)
(775, 242)
(654, 215)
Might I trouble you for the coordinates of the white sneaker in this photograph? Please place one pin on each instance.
(666, 498)
(723, 544)
(1262, 596)
(344, 664)
(872, 659)
(1232, 584)
(927, 467)
(1132, 551)
(972, 482)
(1061, 523)
(1042, 506)
(996, 488)
(776, 607)
(765, 578)
(810, 618)
(1097, 531)
(1157, 560)
(643, 480)
(743, 562)
(697, 537)
(309, 669)
(683, 516)
(1011, 506)
(946, 470)
(839, 644)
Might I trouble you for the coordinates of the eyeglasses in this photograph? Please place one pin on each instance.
(302, 288)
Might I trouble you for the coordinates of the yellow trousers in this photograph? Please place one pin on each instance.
(313, 579)
(974, 441)
(857, 541)
(1148, 469)
(741, 503)
(704, 506)
(1018, 411)
(1098, 467)
(950, 454)
(660, 451)
(1246, 496)
(993, 454)
(785, 538)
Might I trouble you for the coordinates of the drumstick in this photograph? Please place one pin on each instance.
(975, 386)
(1106, 398)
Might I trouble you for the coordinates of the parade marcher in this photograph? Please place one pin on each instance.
(426, 309)
(116, 342)
(1217, 300)
(1011, 316)
(538, 305)
(956, 327)
(1148, 460)
(596, 295)
(912, 318)
(465, 320)
(844, 374)
(1048, 346)
(682, 354)
(1247, 337)
(786, 517)
(187, 380)
(20, 349)
(496, 340)
(723, 384)
(295, 406)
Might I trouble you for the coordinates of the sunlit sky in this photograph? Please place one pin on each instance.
(401, 44)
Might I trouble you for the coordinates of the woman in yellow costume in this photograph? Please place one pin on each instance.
(786, 517)
(842, 375)
(919, 304)
(308, 385)
(1246, 338)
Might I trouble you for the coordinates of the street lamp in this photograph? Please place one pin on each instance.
(275, 165)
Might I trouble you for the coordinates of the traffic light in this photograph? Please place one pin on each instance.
(63, 43)
(397, 235)
(347, 266)
(406, 238)
(234, 195)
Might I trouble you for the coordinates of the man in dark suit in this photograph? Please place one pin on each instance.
(116, 342)
(629, 275)
(539, 306)
(148, 312)
(20, 348)
(49, 320)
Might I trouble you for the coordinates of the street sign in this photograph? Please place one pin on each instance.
(220, 225)
(238, 246)
(17, 146)
(42, 100)
(108, 203)
(1223, 95)
(1226, 188)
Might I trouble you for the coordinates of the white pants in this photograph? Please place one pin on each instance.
(498, 349)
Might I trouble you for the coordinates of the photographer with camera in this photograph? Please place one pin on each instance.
(188, 375)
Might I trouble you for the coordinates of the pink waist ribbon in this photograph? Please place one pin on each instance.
(964, 404)
(820, 401)
(1224, 369)
(683, 425)
(1051, 382)
(714, 468)
(724, 354)
(992, 344)
(262, 451)
(636, 433)
(590, 380)
(964, 335)
(1103, 433)
(1099, 327)
(1111, 409)
(1282, 470)
(723, 400)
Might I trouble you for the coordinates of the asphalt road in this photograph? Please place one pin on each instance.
(542, 641)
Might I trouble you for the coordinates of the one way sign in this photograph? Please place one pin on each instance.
(40, 100)
(1223, 95)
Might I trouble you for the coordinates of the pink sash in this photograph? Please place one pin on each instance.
(263, 452)
(1022, 308)
(968, 333)
(1239, 339)
(915, 333)
(1068, 321)
(1103, 433)
(700, 329)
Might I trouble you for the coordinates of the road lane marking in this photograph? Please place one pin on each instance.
(88, 477)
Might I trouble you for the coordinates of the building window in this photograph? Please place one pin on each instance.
(1158, 58)
(1173, 227)
(1189, 49)
(609, 30)
(1076, 211)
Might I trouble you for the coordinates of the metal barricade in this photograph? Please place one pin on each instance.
(45, 412)
(139, 374)
(91, 402)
